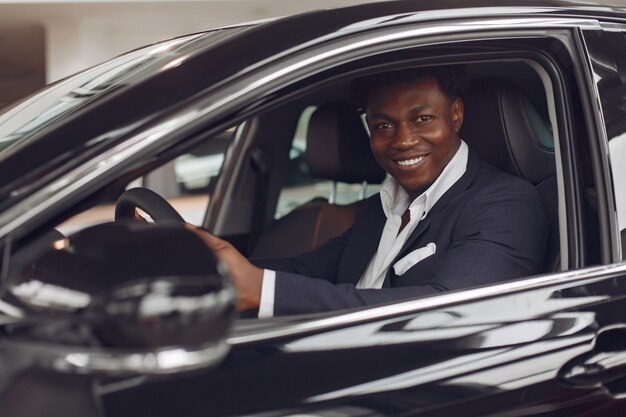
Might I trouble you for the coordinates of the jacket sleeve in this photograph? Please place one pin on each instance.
(321, 263)
(297, 294)
(500, 234)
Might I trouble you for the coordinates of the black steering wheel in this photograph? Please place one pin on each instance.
(156, 206)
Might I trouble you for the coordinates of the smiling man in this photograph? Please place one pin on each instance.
(443, 220)
(414, 129)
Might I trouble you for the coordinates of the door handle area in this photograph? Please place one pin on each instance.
(596, 368)
(604, 366)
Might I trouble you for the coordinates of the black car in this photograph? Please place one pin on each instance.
(105, 315)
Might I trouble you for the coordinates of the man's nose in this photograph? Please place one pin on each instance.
(406, 137)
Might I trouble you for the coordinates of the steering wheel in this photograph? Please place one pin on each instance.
(156, 206)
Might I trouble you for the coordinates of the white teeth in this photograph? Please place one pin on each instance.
(410, 162)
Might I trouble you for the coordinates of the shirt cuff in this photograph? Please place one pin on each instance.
(266, 305)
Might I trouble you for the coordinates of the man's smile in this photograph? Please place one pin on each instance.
(410, 162)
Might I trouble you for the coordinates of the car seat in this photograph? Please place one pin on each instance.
(505, 128)
(337, 150)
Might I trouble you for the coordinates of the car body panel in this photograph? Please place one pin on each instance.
(432, 360)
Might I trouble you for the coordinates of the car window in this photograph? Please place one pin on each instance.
(74, 92)
(35, 135)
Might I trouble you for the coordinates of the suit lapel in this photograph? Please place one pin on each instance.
(366, 234)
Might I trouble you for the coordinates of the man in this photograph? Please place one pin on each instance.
(444, 220)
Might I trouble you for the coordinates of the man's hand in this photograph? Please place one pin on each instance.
(247, 278)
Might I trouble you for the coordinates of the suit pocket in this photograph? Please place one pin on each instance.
(422, 271)
(413, 258)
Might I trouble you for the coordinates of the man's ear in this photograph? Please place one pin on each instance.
(457, 114)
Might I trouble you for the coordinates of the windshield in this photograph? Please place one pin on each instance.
(61, 98)
(78, 117)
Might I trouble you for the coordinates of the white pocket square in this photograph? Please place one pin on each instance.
(414, 257)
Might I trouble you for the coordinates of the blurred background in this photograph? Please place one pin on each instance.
(44, 41)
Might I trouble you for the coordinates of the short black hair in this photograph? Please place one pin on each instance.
(452, 80)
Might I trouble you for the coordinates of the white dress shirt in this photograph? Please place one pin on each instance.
(395, 201)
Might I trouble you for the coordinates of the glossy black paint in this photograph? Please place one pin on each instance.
(437, 362)
(114, 286)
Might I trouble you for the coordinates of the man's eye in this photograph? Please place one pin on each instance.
(423, 119)
(383, 126)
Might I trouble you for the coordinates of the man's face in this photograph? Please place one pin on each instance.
(414, 130)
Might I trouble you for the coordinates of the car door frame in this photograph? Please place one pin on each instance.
(586, 293)
(603, 164)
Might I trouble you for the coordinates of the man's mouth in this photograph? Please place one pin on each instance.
(410, 162)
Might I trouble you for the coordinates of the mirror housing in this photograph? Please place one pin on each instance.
(123, 298)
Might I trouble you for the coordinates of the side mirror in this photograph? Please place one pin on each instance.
(123, 298)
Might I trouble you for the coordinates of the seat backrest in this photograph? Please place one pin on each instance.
(337, 150)
(505, 128)
(338, 146)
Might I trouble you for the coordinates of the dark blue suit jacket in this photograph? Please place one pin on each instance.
(488, 227)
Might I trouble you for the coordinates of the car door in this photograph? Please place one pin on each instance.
(517, 351)
(544, 346)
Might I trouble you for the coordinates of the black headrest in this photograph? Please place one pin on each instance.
(503, 127)
(338, 146)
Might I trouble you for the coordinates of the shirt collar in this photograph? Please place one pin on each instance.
(395, 199)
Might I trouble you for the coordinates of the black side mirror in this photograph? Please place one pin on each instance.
(123, 298)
